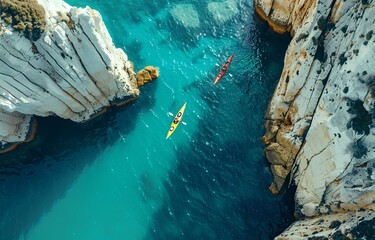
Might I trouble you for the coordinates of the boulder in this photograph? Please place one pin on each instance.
(147, 74)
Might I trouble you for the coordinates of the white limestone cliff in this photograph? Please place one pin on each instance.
(321, 118)
(73, 70)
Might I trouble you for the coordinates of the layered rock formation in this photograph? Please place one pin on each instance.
(321, 118)
(70, 68)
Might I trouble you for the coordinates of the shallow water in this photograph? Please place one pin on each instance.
(116, 177)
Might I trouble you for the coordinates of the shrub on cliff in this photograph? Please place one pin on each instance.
(27, 16)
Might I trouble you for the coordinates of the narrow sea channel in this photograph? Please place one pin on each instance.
(116, 177)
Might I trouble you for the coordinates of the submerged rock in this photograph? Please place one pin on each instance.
(321, 118)
(223, 11)
(71, 70)
(186, 15)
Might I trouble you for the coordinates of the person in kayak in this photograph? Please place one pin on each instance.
(225, 67)
(175, 120)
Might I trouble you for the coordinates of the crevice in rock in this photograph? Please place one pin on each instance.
(21, 73)
(304, 14)
(296, 165)
(83, 66)
(327, 189)
(56, 63)
(13, 96)
(271, 9)
(47, 52)
(83, 31)
(74, 71)
(312, 117)
(19, 90)
(47, 74)
(308, 161)
(316, 154)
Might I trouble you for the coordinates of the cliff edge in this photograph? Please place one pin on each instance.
(320, 127)
(57, 60)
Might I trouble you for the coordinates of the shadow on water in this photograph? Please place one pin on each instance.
(37, 174)
(219, 189)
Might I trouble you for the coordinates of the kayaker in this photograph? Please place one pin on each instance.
(225, 67)
(176, 121)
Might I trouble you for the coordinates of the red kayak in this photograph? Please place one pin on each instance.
(224, 69)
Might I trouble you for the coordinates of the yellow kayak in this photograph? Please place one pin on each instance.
(176, 121)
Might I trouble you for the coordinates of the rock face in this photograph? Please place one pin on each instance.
(147, 74)
(223, 11)
(348, 225)
(321, 118)
(72, 70)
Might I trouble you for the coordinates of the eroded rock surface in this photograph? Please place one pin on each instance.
(348, 225)
(320, 123)
(72, 70)
(147, 74)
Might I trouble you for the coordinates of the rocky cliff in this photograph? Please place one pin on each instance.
(57, 60)
(321, 118)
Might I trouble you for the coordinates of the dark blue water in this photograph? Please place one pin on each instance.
(116, 177)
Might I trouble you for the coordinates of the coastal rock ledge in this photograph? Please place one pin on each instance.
(62, 62)
(320, 127)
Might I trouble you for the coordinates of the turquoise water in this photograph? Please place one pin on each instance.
(116, 177)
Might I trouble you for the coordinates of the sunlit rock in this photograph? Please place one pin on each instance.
(71, 70)
(147, 74)
(321, 118)
(348, 225)
(154, 71)
(285, 15)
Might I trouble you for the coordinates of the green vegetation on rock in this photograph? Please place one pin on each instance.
(26, 16)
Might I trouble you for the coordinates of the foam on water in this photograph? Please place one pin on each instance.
(116, 177)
